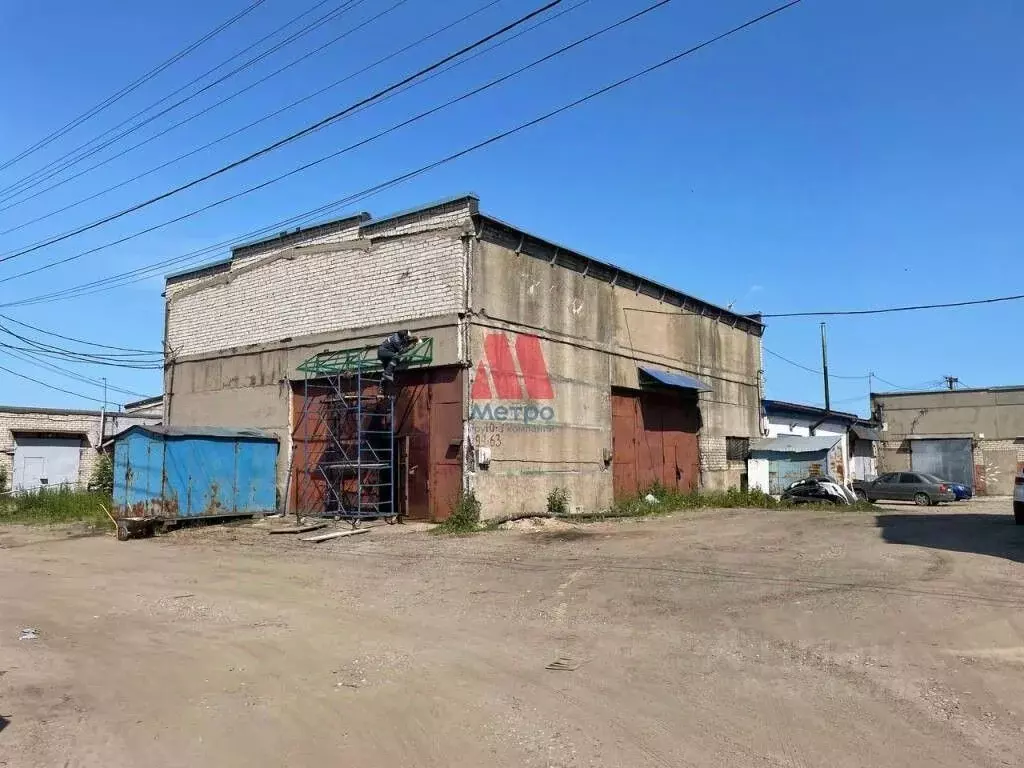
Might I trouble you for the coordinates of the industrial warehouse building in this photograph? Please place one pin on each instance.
(547, 368)
(971, 436)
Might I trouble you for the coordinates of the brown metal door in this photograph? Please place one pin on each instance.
(681, 464)
(445, 441)
(624, 482)
(412, 424)
(654, 442)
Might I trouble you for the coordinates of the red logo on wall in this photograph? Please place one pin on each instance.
(499, 377)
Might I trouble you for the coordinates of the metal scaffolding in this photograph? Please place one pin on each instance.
(343, 458)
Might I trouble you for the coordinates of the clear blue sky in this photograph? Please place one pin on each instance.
(841, 155)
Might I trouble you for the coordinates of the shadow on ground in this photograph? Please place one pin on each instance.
(995, 535)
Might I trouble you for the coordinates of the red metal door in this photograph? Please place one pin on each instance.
(624, 482)
(445, 441)
(680, 422)
(654, 441)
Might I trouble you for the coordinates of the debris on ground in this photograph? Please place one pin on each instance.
(335, 535)
(564, 664)
(299, 528)
(537, 524)
(29, 633)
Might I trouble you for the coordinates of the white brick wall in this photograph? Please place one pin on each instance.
(413, 269)
(712, 453)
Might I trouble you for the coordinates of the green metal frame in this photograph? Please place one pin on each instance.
(363, 359)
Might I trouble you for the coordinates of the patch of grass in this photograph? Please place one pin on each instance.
(54, 507)
(465, 516)
(558, 502)
(668, 501)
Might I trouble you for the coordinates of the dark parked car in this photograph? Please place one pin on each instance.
(918, 487)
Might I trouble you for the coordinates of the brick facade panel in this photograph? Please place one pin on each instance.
(397, 280)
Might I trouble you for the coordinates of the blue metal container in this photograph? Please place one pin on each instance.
(187, 472)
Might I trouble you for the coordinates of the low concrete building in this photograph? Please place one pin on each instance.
(50, 447)
(858, 436)
(549, 368)
(970, 436)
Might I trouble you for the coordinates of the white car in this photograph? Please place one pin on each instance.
(1018, 499)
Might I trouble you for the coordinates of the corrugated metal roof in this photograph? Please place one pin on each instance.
(783, 406)
(678, 380)
(794, 444)
(865, 433)
(227, 432)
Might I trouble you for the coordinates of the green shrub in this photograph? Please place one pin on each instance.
(558, 502)
(465, 516)
(3, 479)
(103, 476)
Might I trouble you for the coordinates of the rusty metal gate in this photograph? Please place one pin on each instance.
(654, 442)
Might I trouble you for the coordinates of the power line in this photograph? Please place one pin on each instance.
(281, 142)
(370, 191)
(141, 273)
(886, 310)
(807, 368)
(114, 98)
(54, 387)
(112, 359)
(349, 148)
(235, 132)
(77, 341)
(41, 174)
(28, 358)
(932, 384)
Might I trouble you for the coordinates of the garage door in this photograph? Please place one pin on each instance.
(949, 459)
(45, 461)
(654, 442)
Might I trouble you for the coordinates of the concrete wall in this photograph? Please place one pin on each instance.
(992, 418)
(63, 423)
(537, 445)
(989, 414)
(595, 335)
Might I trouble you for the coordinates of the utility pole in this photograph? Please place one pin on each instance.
(951, 382)
(824, 368)
(103, 412)
(871, 389)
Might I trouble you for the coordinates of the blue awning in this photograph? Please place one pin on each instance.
(677, 380)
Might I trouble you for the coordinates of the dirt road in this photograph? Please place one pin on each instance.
(723, 638)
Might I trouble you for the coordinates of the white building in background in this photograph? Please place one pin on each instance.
(851, 456)
(53, 447)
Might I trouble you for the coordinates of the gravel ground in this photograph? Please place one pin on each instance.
(718, 638)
